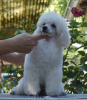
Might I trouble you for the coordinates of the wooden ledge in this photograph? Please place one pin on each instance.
(6, 96)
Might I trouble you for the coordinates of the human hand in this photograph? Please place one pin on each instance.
(24, 43)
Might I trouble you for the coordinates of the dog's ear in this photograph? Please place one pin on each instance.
(63, 36)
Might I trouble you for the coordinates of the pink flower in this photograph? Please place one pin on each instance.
(76, 11)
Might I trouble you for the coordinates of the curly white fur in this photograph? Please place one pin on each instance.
(43, 65)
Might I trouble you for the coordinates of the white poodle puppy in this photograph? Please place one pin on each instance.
(43, 65)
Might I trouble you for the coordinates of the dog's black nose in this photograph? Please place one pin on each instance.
(44, 28)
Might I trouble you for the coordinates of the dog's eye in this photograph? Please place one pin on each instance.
(53, 25)
(44, 23)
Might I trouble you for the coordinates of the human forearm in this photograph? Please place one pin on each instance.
(15, 58)
(22, 43)
(6, 46)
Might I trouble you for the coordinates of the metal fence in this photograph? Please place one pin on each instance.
(12, 12)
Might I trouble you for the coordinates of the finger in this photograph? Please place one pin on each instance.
(38, 37)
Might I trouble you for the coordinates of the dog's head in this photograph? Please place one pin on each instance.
(48, 29)
(47, 24)
(52, 24)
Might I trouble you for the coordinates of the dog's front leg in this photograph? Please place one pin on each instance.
(54, 85)
(19, 88)
(31, 83)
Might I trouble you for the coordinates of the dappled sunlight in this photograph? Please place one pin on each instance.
(14, 11)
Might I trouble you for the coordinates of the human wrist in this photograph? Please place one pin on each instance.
(11, 45)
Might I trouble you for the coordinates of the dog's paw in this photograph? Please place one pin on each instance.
(56, 94)
(33, 94)
(63, 94)
(30, 93)
(13, 92)
(16, 90)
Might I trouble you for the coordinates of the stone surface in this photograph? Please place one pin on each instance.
(6, 96)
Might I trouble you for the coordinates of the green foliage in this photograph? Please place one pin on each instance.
(15, 73)
(6, 85)
(4, 34)
(58, 6)
(31, 29)
(75, 60)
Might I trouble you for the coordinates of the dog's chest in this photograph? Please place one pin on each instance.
(45, 53)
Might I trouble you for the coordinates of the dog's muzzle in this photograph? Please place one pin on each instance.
(45, 31)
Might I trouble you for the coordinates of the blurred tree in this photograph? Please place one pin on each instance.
(58, 6)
